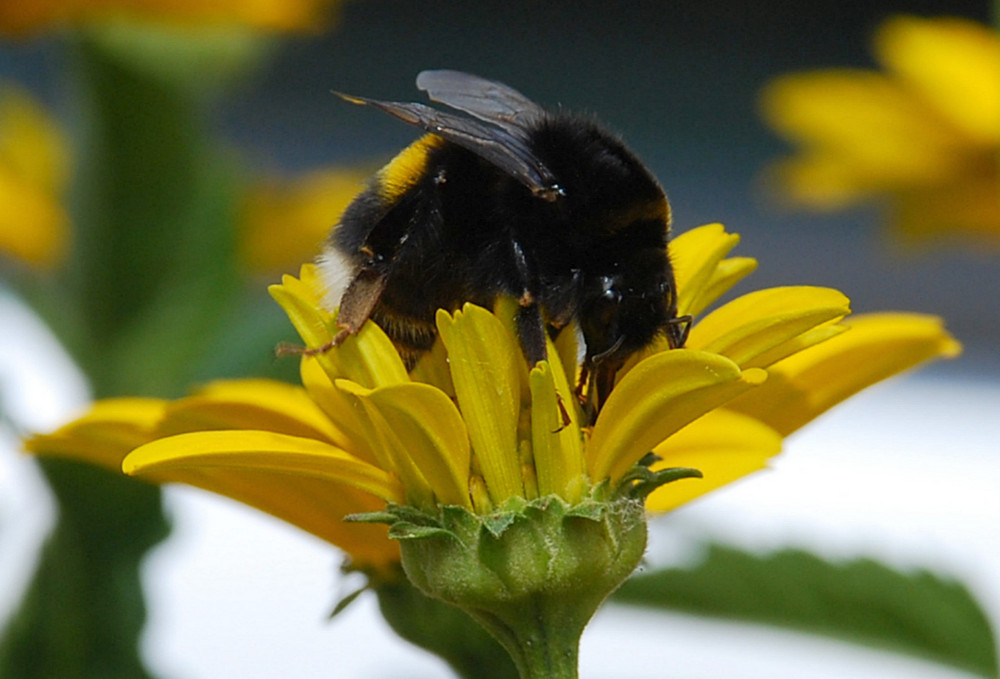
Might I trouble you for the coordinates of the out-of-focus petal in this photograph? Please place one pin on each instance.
(251, 404)
(306, 483)
(105, 433)
(954, 64)
(34, 169)
(26, 18)
(284, 222)
(864, 123)
(764, 319)
(723, 445)
(877, 346)
(208, 455)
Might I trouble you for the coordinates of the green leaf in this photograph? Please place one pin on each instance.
(863, 601)
(443, 630)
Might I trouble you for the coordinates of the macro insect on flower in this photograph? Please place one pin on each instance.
(454, 418)
(547, 208)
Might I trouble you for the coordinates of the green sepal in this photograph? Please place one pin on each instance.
(372, 517)
(346, 601)
(497, 524)
(594, 511)
(405, 530)
(640, 481)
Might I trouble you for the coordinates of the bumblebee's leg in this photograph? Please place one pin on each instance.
(531, 326)
(531, 329)
(356, 305)
(362, 295)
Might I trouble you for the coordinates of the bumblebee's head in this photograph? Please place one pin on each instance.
(623, 310)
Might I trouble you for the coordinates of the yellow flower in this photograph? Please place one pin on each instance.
(502, 501)
(24, 18)
(473, 427)
(34, 226)
(284, 222)
(925, 135)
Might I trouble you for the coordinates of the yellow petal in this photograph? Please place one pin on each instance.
(308, 318)
(955, 66)
(312, 496)
(818, 180)
(877, 346)
(796, 344)
(368, 358)
(198, 457)
(486, 363)
(252, 404)
(105, 434)
(723, 445)
(432, 368)
(557, 446)
(391, 451)
(431, 428)
(727, 273)
(695, 255)
(764, 319)
(338, 408)
(659, 396)
(567, 346)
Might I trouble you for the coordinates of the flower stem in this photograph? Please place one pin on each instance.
(543, 643)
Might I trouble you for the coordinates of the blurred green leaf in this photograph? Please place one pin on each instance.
(863, 601)
(207, 56)
(82, 616)
(443, 630)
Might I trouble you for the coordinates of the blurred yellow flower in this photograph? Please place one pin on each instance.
(924, 135)
(25, 18)
(284, 222)
(473, 427)
(34, 168)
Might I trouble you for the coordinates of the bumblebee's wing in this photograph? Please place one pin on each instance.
(484, 99)
(505, 148)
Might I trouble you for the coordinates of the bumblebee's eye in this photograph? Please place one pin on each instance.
(611, 296)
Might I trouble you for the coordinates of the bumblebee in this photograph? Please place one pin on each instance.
(499, 198)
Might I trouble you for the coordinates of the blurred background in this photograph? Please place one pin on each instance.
(907, 472)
